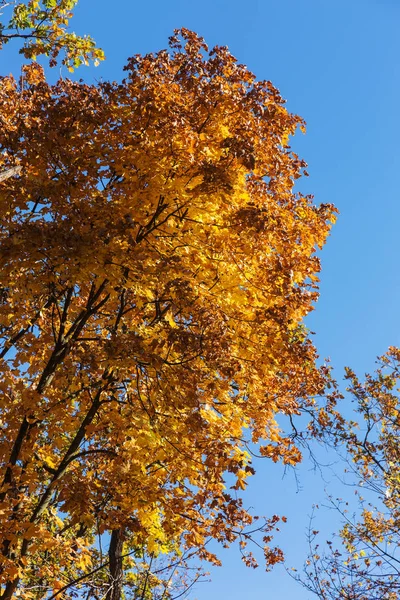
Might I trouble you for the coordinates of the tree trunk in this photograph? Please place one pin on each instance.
(116, 571)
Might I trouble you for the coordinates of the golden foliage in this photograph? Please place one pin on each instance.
(42, 27)
(156, 266)
(365, 565)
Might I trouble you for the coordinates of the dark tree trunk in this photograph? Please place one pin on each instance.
(116, 571)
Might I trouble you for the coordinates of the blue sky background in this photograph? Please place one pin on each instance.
(337, 64)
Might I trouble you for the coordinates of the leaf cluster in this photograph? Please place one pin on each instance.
(42, 27)
(364, 563)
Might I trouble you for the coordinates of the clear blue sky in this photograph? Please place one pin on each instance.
(337, 64)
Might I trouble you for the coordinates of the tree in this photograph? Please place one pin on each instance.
(156, 266)
(366, 564)
(42, 26)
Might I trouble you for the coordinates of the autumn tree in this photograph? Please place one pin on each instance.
(156, 267)
(41, 26)
(365, 563)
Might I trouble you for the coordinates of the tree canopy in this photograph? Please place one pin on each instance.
(362, 561)
(156, 266)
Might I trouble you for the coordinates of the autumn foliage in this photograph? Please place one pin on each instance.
(41, 26)
(362, 562)
(156, 267)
